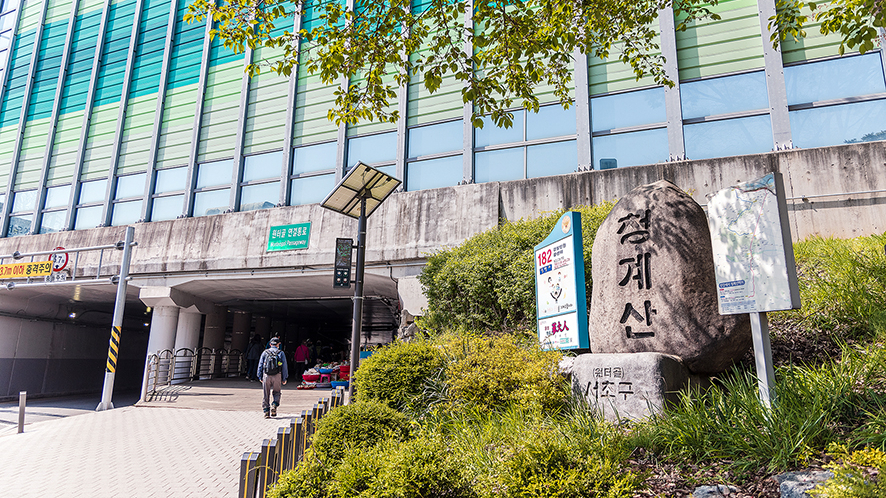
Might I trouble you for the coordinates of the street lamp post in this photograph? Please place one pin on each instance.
(358, 194)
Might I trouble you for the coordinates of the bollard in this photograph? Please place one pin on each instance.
(22, 400)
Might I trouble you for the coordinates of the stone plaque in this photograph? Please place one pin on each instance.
(632, 386)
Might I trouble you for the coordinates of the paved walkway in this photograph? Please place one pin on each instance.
(186, 444)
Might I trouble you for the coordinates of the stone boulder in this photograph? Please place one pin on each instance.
(797, 484)
(628, 386)
(654, 285)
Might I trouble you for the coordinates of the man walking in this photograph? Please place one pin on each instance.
(273, 372)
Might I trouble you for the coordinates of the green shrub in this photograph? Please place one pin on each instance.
(358, 471)
(487, 282)
(357, 425)
(493, 372)
(860, 474)
(396, 373)
(424, 466)
(421, 467)
(549, 467)
(843, 284)
(307, 480)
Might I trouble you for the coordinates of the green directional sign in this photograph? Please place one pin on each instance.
(288, 237)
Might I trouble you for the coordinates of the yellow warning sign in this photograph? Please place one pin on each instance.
(25, 270)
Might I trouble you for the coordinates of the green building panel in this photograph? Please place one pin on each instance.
(313, 97)
(312, 101)
(221, 107)
(732, 44)
(180, 105)
(100, 144)
(30, 161)
(612, 75)
(7, 143)
(52, 46)
(29, 18)
(266, 111)
(221, 103)
(814, 46)
(137, 130)
(174, 145)
(115, 53)
(16, 81)
(80, 59)
(138, 127)
(546, 93)
(58, 11)
(90, 6)
(64, 148)
(66, 142)
(366, 127)
(425, 107)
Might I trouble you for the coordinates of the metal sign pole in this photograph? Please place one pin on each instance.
(117, 323)
(763, 357)
(358, 297)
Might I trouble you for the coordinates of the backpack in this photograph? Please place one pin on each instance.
(273, 363)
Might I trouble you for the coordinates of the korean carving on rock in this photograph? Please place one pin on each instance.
(654, 286)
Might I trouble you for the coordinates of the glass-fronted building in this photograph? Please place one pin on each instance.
(117, 111)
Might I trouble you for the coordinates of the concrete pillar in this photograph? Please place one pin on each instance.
(240, 334)
(214, 330)
(263, 327)
(164, 322)
(187, 334)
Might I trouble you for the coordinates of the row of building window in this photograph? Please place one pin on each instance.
(722, 116)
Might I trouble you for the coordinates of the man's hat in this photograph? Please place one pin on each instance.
(275, 341)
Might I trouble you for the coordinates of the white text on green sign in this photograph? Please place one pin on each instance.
(288, 237)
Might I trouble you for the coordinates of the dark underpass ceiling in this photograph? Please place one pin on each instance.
(308, 299)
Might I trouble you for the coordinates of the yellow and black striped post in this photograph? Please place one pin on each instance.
(113, 350)
(117, 322)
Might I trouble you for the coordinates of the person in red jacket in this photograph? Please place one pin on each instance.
(302, 357)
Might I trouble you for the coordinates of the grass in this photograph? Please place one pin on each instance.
(843, 285)
(814, 407)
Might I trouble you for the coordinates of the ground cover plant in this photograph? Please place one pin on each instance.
(489, 415)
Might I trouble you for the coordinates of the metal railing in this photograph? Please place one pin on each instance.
(165, 368)
(261, 469)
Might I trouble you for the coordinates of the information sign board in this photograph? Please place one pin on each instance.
(25, 270)
(753, 255)
(344, 248)
(561, 305)
(288, 237)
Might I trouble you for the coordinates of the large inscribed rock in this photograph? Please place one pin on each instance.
(654, 286)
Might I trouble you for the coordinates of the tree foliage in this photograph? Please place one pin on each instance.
(856, 21)
(518, 45)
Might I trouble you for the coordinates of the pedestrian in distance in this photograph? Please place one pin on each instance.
(273, 372)
(302, 357)
(253, 353)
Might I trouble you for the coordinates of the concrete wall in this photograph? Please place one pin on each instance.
(49, 358)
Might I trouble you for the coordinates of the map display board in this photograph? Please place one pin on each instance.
(753, 255)
(561, 305)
